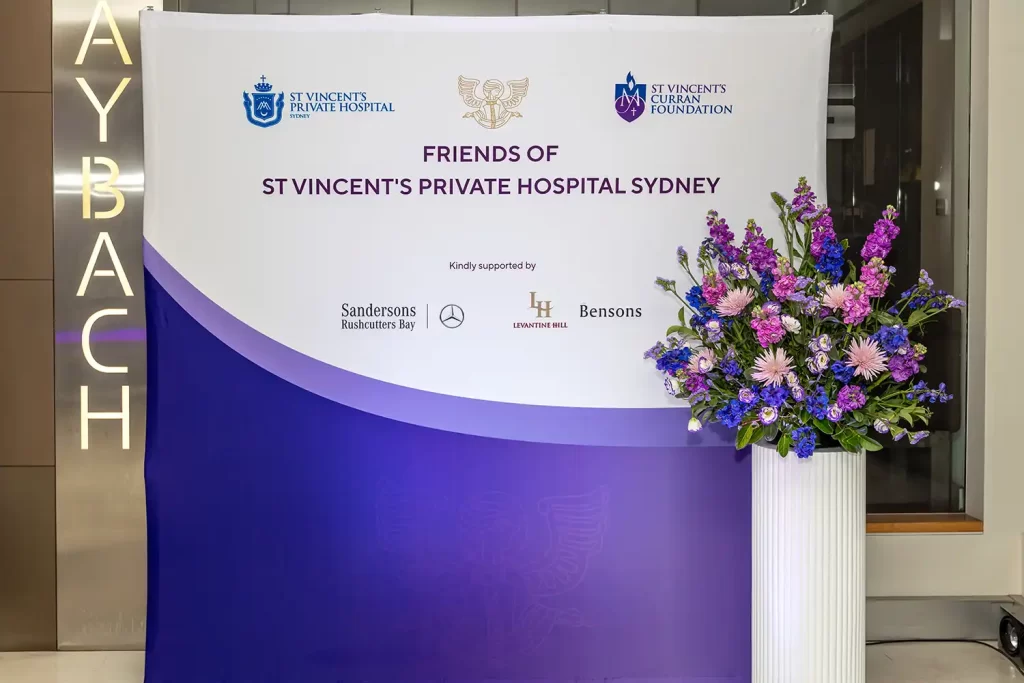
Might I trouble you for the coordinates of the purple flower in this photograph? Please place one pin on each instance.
(714, 288)
(834, 413)
(722, 236)
(879, 242)
(822, 233)
(915, 437)
(904, 365)
(803, 203)
(713, 330)
(740, 271)
(768, 415)
(747, 396)
(769, 331)
(850, 398)
(881, 426)
(798, 392)
(682, 256)
(760, 256)
(655, 351)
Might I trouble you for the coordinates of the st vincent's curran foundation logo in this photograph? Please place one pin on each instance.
(630, 99)
(495, 104)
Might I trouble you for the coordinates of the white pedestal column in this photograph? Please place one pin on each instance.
(808, 567)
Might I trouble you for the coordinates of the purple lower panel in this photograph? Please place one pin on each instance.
(296, 540)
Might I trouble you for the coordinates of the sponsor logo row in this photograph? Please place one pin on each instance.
(541, 314)
(491, 104)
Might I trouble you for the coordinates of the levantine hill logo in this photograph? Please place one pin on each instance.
(541, 309)
(263, 108)
(630, 99)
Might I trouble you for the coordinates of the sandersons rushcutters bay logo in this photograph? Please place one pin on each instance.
(374, 317)
(632, 99)
(265, 108)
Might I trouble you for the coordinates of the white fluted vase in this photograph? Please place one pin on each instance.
(808, 567)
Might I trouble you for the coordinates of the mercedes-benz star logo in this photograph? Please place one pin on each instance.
(452, 316)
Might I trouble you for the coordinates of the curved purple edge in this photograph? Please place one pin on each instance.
(638, 427)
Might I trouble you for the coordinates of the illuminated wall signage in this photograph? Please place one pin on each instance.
(100, 322)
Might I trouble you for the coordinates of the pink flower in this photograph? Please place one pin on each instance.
(703, 361)
(735, 300)
(714, 288)
(875, 276)
(835, 296)
(785, 279)
(866, 358)
(857, 306)
(769, 330)
(771, 367)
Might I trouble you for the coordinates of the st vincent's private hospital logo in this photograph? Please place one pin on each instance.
(266, 108)
(632, 99)
(263, 108)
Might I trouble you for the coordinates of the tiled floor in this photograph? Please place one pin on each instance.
(886, 664)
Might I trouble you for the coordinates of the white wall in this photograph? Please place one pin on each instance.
(989, 563)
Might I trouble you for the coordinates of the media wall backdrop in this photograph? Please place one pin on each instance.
(399, 285)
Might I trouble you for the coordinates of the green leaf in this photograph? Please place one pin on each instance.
(917, 316)
(849, 440)
(859, 416)
(870, 444)
(675, 329)
(682, 315)
(758, 434)
(784, 444)
(824, 426)
(743, 436)
(886, 318)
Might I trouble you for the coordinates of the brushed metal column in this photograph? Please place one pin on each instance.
(100, 501)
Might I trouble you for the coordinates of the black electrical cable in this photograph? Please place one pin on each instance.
(990, 646)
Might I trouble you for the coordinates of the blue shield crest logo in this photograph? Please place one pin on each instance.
(263, 108)
(630, 99)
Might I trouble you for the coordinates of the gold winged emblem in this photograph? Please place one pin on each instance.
(496, 104)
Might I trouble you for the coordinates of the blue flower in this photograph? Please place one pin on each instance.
(817, 404)
(842, 371)
(774, 396)
(891, 338)
(767, 282)
(674, 360)
(831, 260)
(732, 414)
(732, 368)
(805, 440)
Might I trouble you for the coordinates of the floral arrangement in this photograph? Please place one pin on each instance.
(797, 347)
